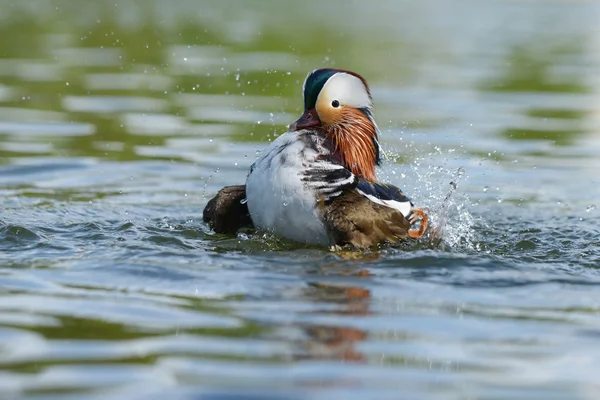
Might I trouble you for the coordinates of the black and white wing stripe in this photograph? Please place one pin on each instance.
(387, 195)
(329, 180)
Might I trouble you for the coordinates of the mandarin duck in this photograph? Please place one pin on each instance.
(316, 183)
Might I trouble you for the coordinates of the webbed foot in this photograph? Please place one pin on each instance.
(418, 215)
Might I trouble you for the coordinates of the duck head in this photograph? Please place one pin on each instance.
(339, 103)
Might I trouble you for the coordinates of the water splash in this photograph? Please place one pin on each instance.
(206, 183)
(436, 189)
(442, 209)
(453, 224)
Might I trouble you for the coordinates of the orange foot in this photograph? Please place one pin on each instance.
(418, 213)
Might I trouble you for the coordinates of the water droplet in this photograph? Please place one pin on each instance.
(184, 58)
(486, 188)
(285, 204)
(589, 208)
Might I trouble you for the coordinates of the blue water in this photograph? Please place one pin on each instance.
(119, 121)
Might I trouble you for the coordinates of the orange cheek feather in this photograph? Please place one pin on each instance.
(352, 133)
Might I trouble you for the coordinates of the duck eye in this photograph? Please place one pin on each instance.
(335, 104)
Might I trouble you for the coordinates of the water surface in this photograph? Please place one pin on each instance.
(118, 121)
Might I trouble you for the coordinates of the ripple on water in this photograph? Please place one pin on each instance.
(87, 57)
(27, 147)
(128, 81)
(111, 104)
(48, 128)
(223, 114)
(135, 314)
(111, 286)
(157, 124)
(18, 238)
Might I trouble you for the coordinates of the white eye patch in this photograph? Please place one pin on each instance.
(347, 89)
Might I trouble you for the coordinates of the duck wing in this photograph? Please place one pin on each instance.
(385, 195)
(353, 218)
(370, 214)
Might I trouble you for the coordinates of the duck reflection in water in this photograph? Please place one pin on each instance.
(335, 342)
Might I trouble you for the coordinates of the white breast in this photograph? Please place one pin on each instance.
(278, 199)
